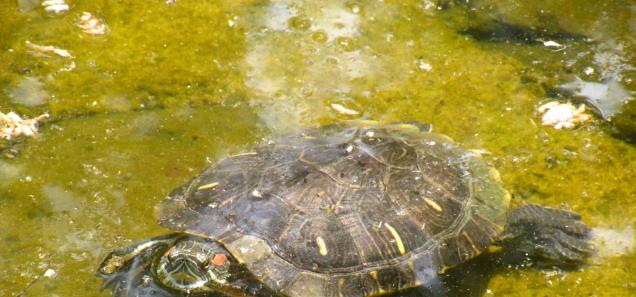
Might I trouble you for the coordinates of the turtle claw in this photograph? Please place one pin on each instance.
(549, 236)
(559, 248)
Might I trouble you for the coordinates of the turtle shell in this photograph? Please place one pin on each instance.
(346, 210)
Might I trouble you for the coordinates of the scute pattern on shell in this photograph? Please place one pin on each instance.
(347, 208)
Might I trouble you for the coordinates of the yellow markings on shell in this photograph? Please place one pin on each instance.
(245, 154)
(208, 186)
(417, 282)
(398, 239)
(322, 246)
(494, 249)
(368, 123)
(411, 265)
(374, 276)
(507, 197)
(494, 174)
(433, 204)
(302, 159)
(406, 127)
(472, 244)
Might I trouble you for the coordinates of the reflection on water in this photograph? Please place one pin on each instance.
(330, 60)
(608, 98)
(292, 82)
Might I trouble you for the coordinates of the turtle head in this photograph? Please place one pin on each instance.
(194, 265)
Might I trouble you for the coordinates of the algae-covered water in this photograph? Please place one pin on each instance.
(171, 87)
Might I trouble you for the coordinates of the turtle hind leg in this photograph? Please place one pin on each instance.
(551, 237)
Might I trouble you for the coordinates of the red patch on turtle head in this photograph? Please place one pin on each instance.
(219, 260)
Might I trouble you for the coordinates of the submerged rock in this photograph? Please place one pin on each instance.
(623, 124)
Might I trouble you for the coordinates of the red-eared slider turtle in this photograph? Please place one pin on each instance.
(347, 211)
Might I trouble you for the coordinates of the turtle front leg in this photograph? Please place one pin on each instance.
(550, 236)
(127, 271)
(120, 257)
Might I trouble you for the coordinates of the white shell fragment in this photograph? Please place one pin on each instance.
(12, 125)
(343, 110)
(90, 24)
(563, 115)
(552, 43)
(48, 49)
(423, 65)
(55, 6)
(50, 273)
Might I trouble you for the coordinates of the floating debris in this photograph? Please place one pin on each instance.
(48, 49)
(343, 110)
(563, 115)
(91, 24)
(55, 6)
(12, 125)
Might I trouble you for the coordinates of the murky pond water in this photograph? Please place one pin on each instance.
(170, 88)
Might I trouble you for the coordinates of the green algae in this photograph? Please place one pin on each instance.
(75, 189)
(152, 56)
(171, 88)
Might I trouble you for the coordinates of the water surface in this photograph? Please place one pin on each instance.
(173, 87)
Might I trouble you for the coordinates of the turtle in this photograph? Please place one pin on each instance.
(350, 210)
